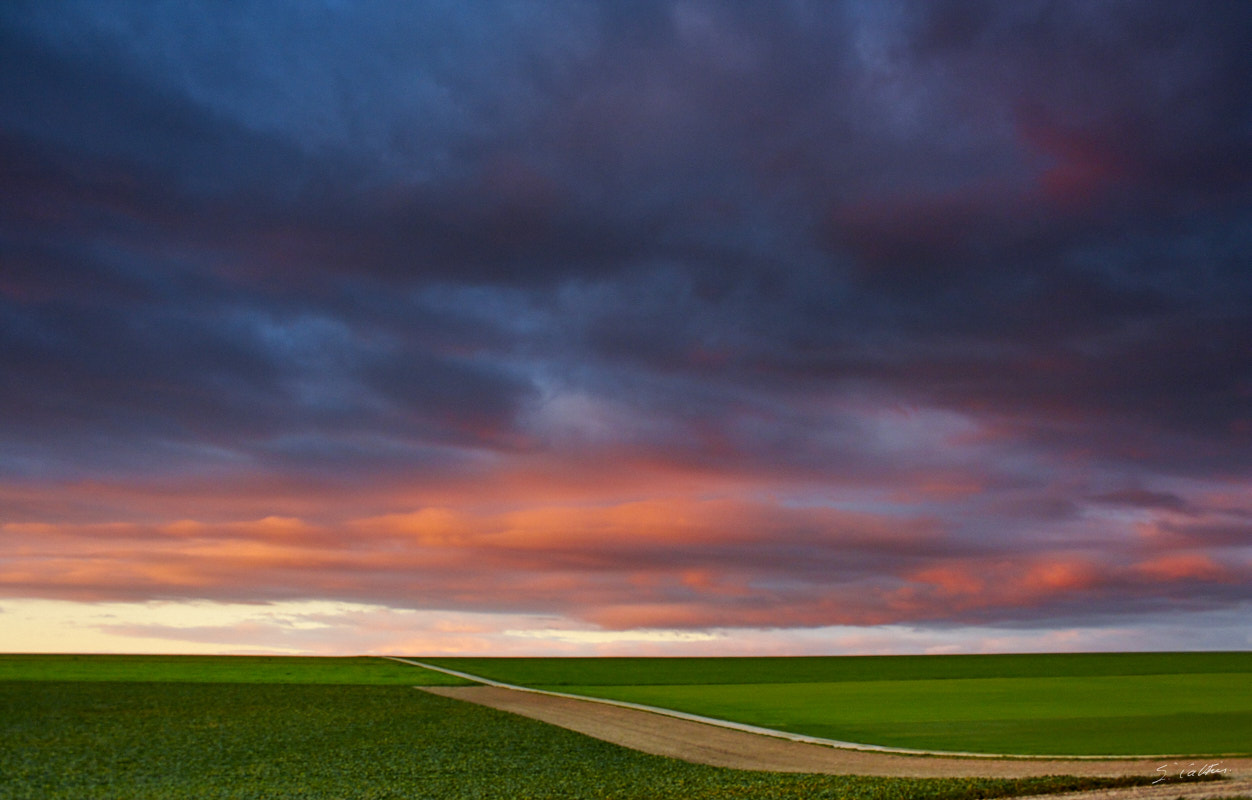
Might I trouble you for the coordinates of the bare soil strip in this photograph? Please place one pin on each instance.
(708, 744)
(1169, 791)
(669, 712)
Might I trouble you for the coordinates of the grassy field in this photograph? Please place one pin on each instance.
(1116, 704)
(262, 733)
(830, 669)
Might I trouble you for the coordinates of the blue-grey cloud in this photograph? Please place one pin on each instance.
(977, 262)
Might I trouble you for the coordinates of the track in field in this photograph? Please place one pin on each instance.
(724, 747)
(716, 745)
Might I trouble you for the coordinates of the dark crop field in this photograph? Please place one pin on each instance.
(357, 671)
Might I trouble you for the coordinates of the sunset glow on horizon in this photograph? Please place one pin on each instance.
(625, 328)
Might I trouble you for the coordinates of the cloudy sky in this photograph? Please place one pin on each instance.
(647, 327)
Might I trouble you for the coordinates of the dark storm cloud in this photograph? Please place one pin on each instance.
(982, 263)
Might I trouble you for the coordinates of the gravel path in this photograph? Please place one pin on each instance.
(708, 744)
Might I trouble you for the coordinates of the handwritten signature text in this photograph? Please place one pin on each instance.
(1193, 769)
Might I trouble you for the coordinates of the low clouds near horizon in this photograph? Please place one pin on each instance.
(681, 316)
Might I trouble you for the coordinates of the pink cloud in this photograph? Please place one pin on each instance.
(1186, 567)
(675, 561)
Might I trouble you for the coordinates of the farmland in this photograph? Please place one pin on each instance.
(1096, 704)
(140, 728)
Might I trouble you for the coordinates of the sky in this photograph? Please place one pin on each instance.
(648, 327)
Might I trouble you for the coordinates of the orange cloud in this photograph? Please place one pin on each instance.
(672, 561)
(954, 580)
(1061, 574)
(1184, 566)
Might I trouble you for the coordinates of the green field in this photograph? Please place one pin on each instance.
(300, 728)
(829, 669)
(1061, 704)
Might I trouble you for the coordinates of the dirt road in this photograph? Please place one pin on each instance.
(708, 744)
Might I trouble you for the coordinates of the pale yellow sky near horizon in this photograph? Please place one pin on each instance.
(321, 627)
